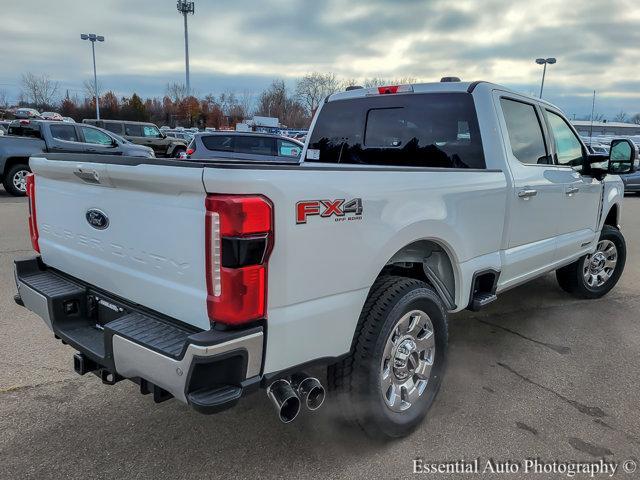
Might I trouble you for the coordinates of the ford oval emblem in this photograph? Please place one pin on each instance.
(97, 219)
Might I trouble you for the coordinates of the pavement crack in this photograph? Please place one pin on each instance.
(562, 350)
(527, 428)
(591, 411)
(589, 448)
(19, 388)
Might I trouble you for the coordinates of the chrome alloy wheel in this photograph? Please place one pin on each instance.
(599, 266)
(407, 360)
(19, 180)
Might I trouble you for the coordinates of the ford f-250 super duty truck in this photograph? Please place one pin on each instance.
(206, 280)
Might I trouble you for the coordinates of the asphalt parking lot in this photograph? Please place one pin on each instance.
(539, 374)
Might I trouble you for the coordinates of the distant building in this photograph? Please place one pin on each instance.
(606, 128)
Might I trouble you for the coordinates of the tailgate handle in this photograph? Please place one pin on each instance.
(89, 176)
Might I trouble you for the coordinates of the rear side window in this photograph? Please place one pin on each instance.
(133, 130)
(437, 130)
(64, 132)
(525, 132)
(218, 143)
(255, 145)
(113, 127)
(288, 149)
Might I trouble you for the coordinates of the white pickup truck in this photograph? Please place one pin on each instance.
(206, 280)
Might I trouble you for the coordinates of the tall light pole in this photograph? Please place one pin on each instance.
(186, 8)
(92, 37)
(544, 61)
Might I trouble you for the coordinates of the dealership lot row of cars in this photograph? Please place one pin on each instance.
(28, 137)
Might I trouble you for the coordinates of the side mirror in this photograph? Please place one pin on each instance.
(622, 156)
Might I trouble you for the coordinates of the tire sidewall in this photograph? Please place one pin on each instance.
(396, 424)
(8, 180)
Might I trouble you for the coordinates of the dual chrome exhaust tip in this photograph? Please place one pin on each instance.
(288, 396)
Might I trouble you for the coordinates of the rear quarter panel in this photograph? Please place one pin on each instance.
(320, 272)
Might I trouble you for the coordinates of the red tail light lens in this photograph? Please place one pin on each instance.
(33, 225)
(237, 226)
(190, 151)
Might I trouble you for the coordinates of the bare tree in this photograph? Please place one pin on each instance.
(4, 99)
(246, 101)
(176, 91)
(39, 90)
(315, 86)
(621, 116)
(89, 89)
(636, 119)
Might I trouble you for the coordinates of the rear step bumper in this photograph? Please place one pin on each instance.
(209, 370)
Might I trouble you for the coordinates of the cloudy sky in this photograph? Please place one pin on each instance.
(241, 45)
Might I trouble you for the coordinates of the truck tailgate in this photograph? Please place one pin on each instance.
(152, 249)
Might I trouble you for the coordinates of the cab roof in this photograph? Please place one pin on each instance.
(431, 87)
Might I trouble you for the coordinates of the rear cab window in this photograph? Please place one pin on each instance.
(133, 129)
(64, 132)
(438, 130)
(114, 127)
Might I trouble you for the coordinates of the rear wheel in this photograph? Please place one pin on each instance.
(594, 275)
(15, 180)
(178, 151)
(390, 379)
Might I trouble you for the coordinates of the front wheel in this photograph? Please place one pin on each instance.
(178, 151)
(594, 275)
(392, 375)
(15, 181)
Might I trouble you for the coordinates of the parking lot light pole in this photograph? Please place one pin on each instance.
(186, 8)
(544, 61)
(92, 37)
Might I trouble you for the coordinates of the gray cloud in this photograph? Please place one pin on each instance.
(243, 44)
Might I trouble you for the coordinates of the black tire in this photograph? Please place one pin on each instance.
(178, 151)
(8, 181)
(571, 278)
(357, 379)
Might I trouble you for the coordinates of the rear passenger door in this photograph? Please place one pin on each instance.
(537, 191)
(65, 139)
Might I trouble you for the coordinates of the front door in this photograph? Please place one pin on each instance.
(537, 190)
(580, 207)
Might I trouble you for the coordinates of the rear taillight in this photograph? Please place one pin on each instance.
(33, 225)
(190, 151)
(238, 239)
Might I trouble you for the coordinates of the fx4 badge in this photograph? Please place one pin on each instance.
(340, 208)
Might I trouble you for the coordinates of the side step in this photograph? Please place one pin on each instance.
(481, 300)
(212, 400)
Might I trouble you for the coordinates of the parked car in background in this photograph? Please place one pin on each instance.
(4, 125)
(52, 116)
(68, 120)
(27, 113)
(27, 138)
(182, 135)
(261, 147)
(144, 133)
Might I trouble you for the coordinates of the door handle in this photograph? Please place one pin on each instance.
(527, 193)
(571, 190)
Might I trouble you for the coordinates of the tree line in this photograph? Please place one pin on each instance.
(293, 106)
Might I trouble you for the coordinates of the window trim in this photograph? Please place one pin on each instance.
(543, 129)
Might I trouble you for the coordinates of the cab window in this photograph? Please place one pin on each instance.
(568, 147)
(91, 135)
(151, 131)
(254, 145)
(525, 132)
(64, 132)
(114, 127)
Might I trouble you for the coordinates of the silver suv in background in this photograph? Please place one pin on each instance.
(249, 146)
